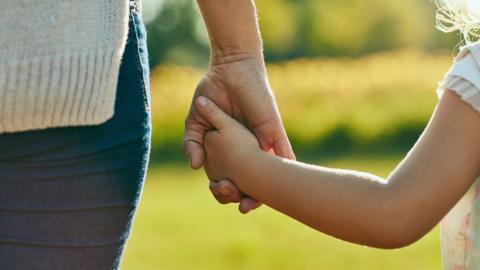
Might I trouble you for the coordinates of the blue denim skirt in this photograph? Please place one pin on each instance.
(68, 195)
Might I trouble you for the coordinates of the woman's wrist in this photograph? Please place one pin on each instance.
(238, 53)
(238, 72)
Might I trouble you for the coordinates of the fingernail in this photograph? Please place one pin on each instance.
(190, 161)
(202, 101)
(223, 191)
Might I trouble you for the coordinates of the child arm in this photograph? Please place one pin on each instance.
(360, 207)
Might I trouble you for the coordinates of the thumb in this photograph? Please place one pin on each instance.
(283, 148)
(212, 113)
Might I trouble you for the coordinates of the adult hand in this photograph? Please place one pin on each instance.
(239, 86)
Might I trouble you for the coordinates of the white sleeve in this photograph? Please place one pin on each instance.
(464, 76)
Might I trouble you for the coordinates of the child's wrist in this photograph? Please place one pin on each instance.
(249, 168)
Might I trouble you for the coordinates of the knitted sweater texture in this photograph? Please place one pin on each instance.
(59, 61)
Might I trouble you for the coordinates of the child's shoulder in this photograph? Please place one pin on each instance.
(466, 64)
(464, 75)
(470, 48)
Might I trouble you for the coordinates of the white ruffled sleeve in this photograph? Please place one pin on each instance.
(464, 76)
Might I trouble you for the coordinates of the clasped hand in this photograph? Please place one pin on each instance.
(238, 88)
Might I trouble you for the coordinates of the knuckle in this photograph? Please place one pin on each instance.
(189, 119)
(211, 112)
(186, 146)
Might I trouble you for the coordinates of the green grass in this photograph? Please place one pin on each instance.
(180, 226)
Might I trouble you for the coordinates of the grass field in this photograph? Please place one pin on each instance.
(180, 226)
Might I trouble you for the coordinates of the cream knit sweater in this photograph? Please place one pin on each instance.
(59, 61)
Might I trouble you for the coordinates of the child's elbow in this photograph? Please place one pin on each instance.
(399, 232)
(395, 239)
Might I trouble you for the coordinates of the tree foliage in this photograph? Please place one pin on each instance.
(304, 28)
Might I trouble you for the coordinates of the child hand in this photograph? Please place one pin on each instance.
(229, 147)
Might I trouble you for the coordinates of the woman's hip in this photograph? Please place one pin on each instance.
(86, 166)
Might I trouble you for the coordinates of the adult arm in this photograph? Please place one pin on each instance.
(237, 82)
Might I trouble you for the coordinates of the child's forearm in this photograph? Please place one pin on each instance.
(232, 27)
(350, 205)
(362, 208)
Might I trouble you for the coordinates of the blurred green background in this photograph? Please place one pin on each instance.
(355, 82)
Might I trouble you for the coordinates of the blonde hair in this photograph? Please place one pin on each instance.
(459, 15)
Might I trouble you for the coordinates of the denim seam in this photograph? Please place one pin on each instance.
(14, 241)
(71, 209)
(139, 60)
